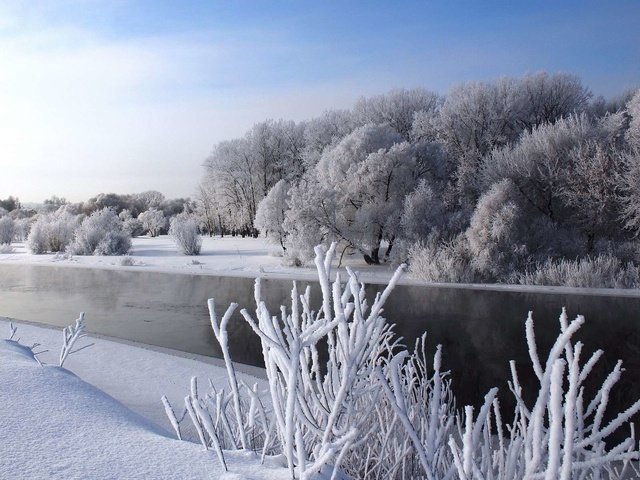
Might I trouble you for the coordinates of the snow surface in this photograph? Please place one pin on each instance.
(253, 257)
(101, 416)
(228, 256)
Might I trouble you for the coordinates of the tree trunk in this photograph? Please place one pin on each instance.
(388, 252)
(374, 257)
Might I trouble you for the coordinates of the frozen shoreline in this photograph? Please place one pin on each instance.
(135, 374)
(101, 416)
(255, 257)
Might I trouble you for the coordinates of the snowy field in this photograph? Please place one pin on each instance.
(105, 419)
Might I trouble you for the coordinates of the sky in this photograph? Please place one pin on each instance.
(127, 96)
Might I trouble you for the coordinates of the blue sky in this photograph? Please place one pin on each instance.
(126, 96)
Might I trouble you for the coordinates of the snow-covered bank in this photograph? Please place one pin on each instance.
(228, 256)
(135, 374)
(250, 258)
(55, 424)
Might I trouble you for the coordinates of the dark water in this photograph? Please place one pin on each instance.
(480, 330)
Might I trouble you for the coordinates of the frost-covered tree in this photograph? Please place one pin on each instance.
(545, 98)
(538, 165)
(207, 209)
(495, 232)
(633, 110)
(356, 192)
(590, 190)
(100, 234)
(342, 210)
(153, 221)
(7, 230)
(22, 228)
(313, 216)
(146, 200)
(239, 173)
(54, 203)
(396, 108)
(173, 206)
(338, 162)
(478, 117)
(630, 190)
(475, 118)
(271, 214)
(231, 181)
(10, 203)
(183, 229)
(325, 131)
(276, 148)
(425, 214)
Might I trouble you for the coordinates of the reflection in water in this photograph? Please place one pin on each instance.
(480, 330)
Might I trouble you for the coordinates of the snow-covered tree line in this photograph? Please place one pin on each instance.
(103, 225)
(494, 181)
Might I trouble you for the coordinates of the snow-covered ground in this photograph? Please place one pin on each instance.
(107, 420)
(228, 256)
(251, 257)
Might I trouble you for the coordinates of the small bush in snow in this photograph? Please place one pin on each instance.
(603, 271)
(114, 243)
(184, 231)
(127, 261)
(51, 233)
(38, 239)
(100, 234)
(444, 262)
(60, 229)
(7, 230)
(6, 248)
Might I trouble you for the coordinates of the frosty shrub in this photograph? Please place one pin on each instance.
(114, 243)
(127, 261)
(38, 239)
(7, 230)
(6, 248)
(184, 231)
(51, 233)
(446, 262)
(60, 230)
(130, 225)
(602, 271)
(100, 234)
(375, 410)
(153, 221)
